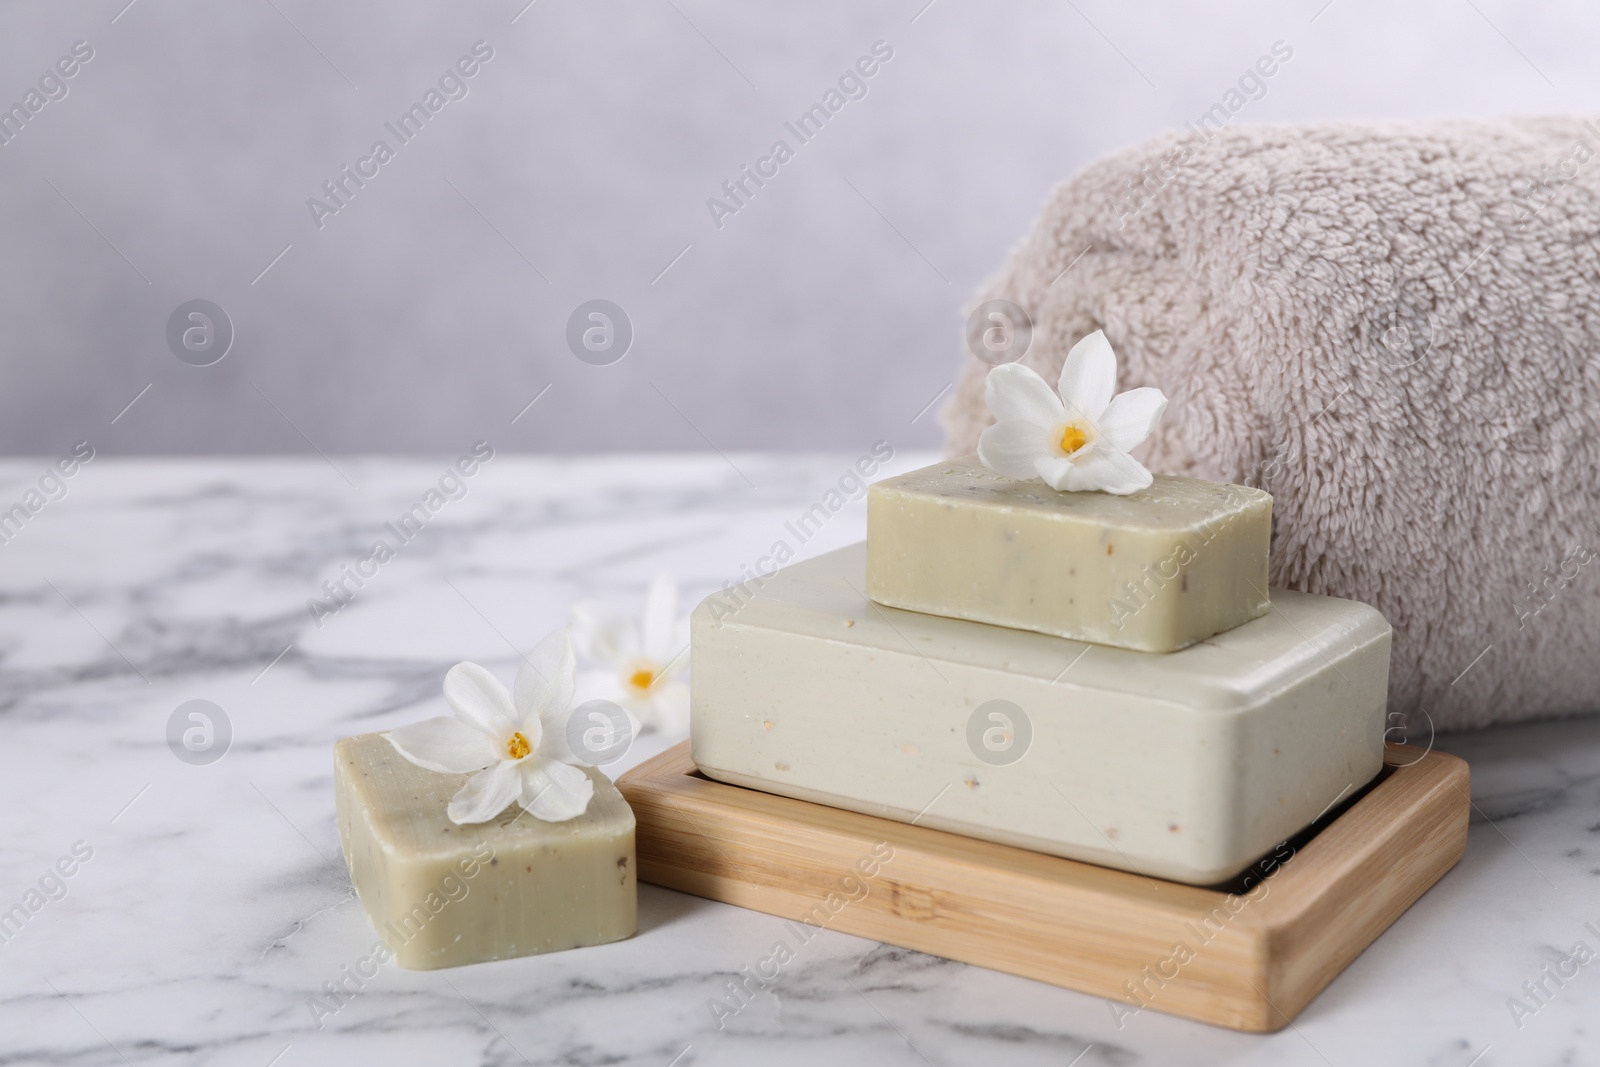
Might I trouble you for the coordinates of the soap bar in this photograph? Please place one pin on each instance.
(1155, 571)
(1187, 766)
(441, 895)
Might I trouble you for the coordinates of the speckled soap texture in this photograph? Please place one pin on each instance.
(1187, 766)
(442, 895)
(1154, 571)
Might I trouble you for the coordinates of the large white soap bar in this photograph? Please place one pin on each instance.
(1186, 766)
(1155, 571)
(441, 895)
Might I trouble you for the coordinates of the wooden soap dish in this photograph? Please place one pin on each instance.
(1249, 962)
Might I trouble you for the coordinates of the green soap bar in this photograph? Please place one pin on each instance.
(1154, 571)
(441, 895)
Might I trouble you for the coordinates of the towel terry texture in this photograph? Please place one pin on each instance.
(1395, 330)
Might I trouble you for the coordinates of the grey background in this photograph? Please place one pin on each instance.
(426, 314)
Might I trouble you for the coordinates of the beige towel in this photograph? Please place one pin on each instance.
(1395, 330)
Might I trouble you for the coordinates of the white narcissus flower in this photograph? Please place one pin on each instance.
(1076, 441)
(516, 742)
(642, 662)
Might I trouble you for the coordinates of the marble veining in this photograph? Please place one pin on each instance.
(214, 906)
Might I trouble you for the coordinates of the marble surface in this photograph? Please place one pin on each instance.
(214, 905)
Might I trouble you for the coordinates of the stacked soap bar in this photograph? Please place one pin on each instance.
(985, 710)
(1156, 571)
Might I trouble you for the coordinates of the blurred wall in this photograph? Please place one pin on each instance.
(423, 306)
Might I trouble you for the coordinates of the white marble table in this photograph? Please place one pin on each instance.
(214, 905)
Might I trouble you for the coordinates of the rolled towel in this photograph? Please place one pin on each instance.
(1395, 330)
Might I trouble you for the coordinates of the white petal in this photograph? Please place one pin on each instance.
(657, 623)
(677, 664)
(1089, 376)
(554, 718)
(1131, 417)
(598, 685)
(545, 681)
(631, 700)
(479, 699)
(1016, 393)
(633, 723)
(669, 708)
(555, 792)
(1010, 448)
(553, 743)
(1095, 468)
(446, 745)
(486, 794)
(603, 634)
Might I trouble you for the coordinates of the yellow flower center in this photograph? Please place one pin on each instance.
(1073, 438)
(518, 746)
(642, 678)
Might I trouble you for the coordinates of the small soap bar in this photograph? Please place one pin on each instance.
(1155, 571)
(1188, 766)
(441, 895)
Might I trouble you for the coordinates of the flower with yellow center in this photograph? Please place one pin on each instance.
(512, 741)
(639, 663)
(1076, 437)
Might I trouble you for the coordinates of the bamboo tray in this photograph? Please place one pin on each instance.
(1249, 955)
